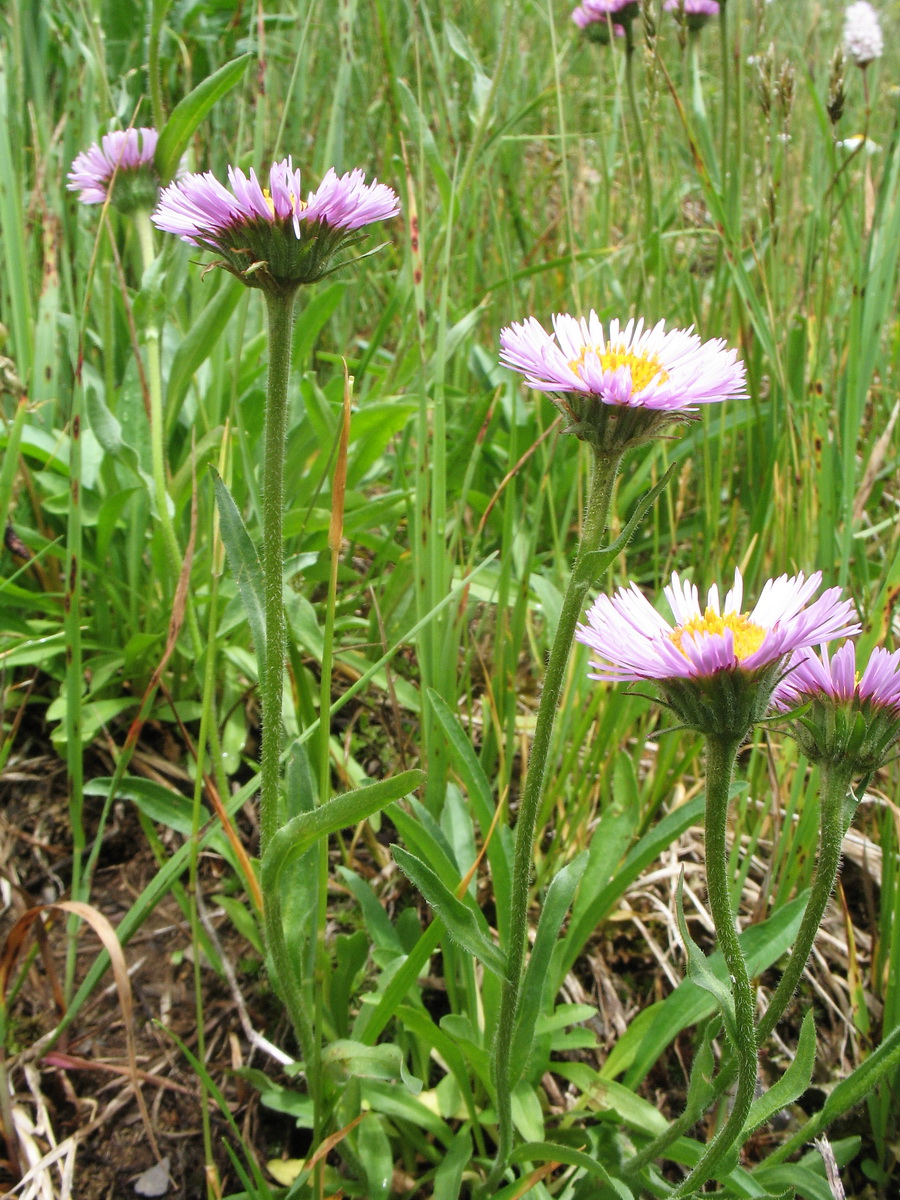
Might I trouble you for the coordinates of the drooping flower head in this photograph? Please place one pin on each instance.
(851, 717)
(716, 667)
(622, 387)
(696, 12)
(124, 159)
(863, 41)
(270, 236)
(595, 24)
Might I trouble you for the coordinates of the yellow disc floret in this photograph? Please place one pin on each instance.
(645, 368)
(747, 637)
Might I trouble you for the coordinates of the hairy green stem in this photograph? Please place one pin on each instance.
(834, 787)
(721, 752)
(280, 313)
(602, 481)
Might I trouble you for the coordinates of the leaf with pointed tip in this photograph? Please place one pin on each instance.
(702, 974)
(190, 111)
(244, 563)
(303, 831)
(458, 917)
(793, 1082)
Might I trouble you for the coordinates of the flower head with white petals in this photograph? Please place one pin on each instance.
(270, 236)
(716, 666)
(863, 39)
(604, 376)
(850, 716)
(121, 160)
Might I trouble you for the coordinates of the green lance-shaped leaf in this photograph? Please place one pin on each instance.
(793, 1082)
(244, 562)
(554, 1152)
(700, 971)
(537, 974)
(301, 832)
(458, 918)
(188, 114)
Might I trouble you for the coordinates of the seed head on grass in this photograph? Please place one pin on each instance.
(123, 158)
(269, 236)
(851, 717)
(716, 667)
(863, 40)
(622, 387)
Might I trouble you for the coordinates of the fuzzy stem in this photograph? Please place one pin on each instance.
(280, 313)
(834, 787)
(602, 480)
(721, 752)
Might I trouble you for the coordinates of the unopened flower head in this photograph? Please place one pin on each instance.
(124, 159)
(622, 385)
(270, 236)
(622, 12)
(851, 717)
(863, 41)
(595, 24)
(696, 12)
(716, 666)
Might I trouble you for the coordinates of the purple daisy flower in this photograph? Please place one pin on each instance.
(717, 667)
(125, 156)
(269, 235)
(835, 677)
(634, 366)
(850, 718)
(596, 24)
(634, 642)
(696, 12)
(644, 378)
(618, 10)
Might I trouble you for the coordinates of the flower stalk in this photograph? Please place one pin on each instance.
(280, 317)
(721, 752)
(605, 466)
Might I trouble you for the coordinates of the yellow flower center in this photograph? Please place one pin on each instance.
(747, 637)
(267, 196)
(645, 368)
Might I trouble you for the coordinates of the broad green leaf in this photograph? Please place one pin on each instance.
(448, 1177)
(303, 831)
(605, 1095)
(244, 563)
(155, 800)
(375, 1156)
(470, 771)
(198, 343)
(554, 1152)
(536, 982)
(346, 1059)
(793, 1082)
(190, 111)
(458, 918)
